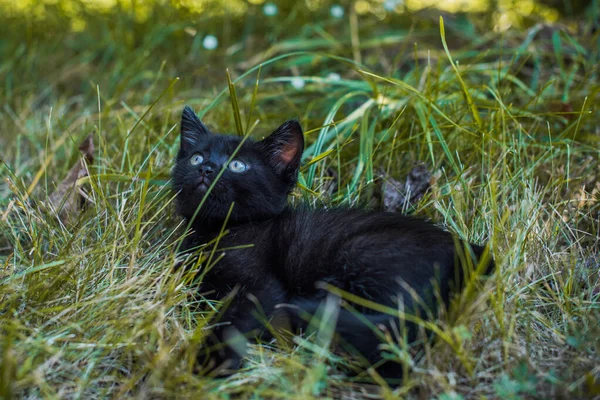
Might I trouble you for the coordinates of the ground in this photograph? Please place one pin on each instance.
(499, 104)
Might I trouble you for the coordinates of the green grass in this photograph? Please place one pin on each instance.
(506, 121)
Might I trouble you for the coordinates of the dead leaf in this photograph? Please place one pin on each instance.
(398, 197)
(68, 200)
(331, 182)
(563, 109)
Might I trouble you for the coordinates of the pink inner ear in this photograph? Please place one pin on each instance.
(287, 154)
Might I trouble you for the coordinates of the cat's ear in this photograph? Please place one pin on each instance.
(192, 129)
(284, 149)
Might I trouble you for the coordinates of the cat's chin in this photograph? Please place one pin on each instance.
(202, 188)
(202, 185)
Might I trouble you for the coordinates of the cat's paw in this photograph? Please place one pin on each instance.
(222, 362)
(222, 354)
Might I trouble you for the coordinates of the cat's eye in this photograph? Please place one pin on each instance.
(237, 166)
(196, 159)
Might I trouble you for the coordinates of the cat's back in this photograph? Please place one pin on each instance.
(333, 226)
(315, 244)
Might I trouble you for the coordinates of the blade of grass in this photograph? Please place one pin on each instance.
(466, 93)
(235, 105)
(253, 102)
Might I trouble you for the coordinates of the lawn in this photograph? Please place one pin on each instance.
(498, 101)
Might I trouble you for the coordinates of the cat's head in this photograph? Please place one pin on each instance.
(258, 178)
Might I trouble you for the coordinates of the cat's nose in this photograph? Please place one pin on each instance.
(206, 170)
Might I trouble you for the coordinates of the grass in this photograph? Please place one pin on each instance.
(506, 121)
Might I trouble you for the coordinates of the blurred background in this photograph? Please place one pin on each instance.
(70, 67)
(70, 44)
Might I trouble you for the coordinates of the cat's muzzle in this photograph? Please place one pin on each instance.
(203, 184)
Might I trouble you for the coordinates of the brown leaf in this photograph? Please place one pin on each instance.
(68, 199)
(563, 109)
(398, 197)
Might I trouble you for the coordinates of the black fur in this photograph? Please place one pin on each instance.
(373, 255)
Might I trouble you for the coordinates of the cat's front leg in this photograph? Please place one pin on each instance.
(222, 351)
(247, 311)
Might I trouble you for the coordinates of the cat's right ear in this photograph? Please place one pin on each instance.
(284, 149)
(192, 129)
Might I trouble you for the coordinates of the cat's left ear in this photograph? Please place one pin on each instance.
(192, 129)
(284, 149)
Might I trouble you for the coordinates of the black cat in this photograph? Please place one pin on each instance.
(278, 255)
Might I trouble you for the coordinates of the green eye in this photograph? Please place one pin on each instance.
(196, 159)
(237, 166)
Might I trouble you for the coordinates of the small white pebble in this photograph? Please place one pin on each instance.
(390, 5)
(210, 42)
(270, 9)
(337, 11)
(297, 82)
